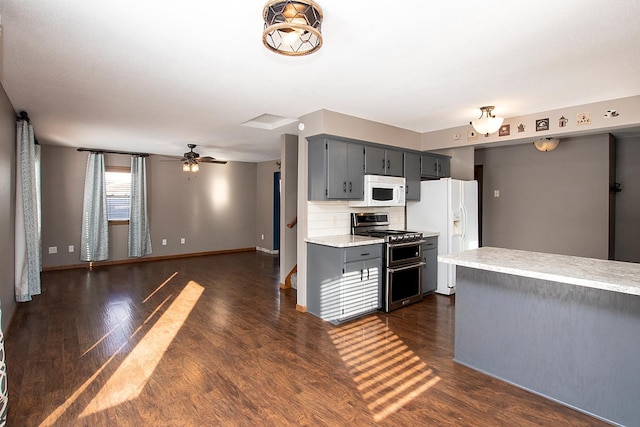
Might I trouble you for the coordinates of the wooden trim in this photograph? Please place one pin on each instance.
(301, 308)
(117, 169)
(90, 265)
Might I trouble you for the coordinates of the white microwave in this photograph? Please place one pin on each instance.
(380, 190)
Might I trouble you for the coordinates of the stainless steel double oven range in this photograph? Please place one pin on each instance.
(403, 262)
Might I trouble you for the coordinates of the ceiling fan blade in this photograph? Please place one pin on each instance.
(165, 158)
(209, 159)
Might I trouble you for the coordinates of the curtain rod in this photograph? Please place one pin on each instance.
(23, 116)
(127, 153)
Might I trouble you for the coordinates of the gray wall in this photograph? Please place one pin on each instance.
(627, 244)
(7, 208)
(213, 210)
(264, 217)
(555, 202)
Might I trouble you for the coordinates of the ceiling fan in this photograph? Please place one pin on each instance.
(191, 159)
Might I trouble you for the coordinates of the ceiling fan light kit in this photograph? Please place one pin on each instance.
(190, 160)
(487, 123)
(292, 27)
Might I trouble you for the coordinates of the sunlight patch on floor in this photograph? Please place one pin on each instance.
(104, 337)
(160, 287)
(60, 410)
(388, 374)
(129, 379)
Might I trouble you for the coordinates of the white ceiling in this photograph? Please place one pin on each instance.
(154, 75)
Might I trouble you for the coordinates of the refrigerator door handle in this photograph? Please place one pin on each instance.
(463, 220)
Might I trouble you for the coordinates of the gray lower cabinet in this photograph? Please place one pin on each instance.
(343, 283)
(430, 271)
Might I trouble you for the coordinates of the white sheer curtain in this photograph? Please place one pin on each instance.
(139, 235)
(94, 241)
(28, 257)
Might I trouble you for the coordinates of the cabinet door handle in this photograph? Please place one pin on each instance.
(435, 167)
(439, 168)
(361, 273)
(350, 187)
(344, 187)
(388, 164)
(367, 274)
(382, 164)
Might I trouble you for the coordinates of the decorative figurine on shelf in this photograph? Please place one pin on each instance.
(562, 121)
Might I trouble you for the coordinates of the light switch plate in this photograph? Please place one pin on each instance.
(53, 249)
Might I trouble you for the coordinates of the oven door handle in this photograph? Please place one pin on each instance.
(393, 270)
(414, 243)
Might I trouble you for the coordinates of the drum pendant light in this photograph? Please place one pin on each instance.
(292, 27)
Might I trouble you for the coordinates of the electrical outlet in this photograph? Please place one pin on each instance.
(262, 237)
(164, 242)
(53, 249)
(182, 241)
(71, 248)
(496, 193)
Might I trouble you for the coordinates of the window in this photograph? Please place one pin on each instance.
(118, 185)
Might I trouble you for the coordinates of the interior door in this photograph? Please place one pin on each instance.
(276, 211)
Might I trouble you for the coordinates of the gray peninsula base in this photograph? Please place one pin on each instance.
(577, 345)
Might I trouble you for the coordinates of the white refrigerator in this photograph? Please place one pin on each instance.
(450, 207)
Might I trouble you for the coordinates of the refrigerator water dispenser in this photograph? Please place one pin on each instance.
(457, 224)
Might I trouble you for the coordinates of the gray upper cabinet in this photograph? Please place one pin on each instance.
(336, 169)
(382, 161)
(435, 166)
(412, 175)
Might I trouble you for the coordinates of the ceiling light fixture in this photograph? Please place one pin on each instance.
(546, 144)
(487, 123)
(190, 166)
(292, 27)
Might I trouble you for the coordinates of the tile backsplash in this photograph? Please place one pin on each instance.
(334, 218)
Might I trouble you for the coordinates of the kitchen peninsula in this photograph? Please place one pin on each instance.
(560, 326)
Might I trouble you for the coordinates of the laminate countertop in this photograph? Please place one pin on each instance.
(344, 240)
(348, 240)
(615, 276)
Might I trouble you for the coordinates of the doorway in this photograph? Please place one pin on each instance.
(276, 211)
(478, 172)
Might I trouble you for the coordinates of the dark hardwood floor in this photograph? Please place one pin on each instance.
(213, 341)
